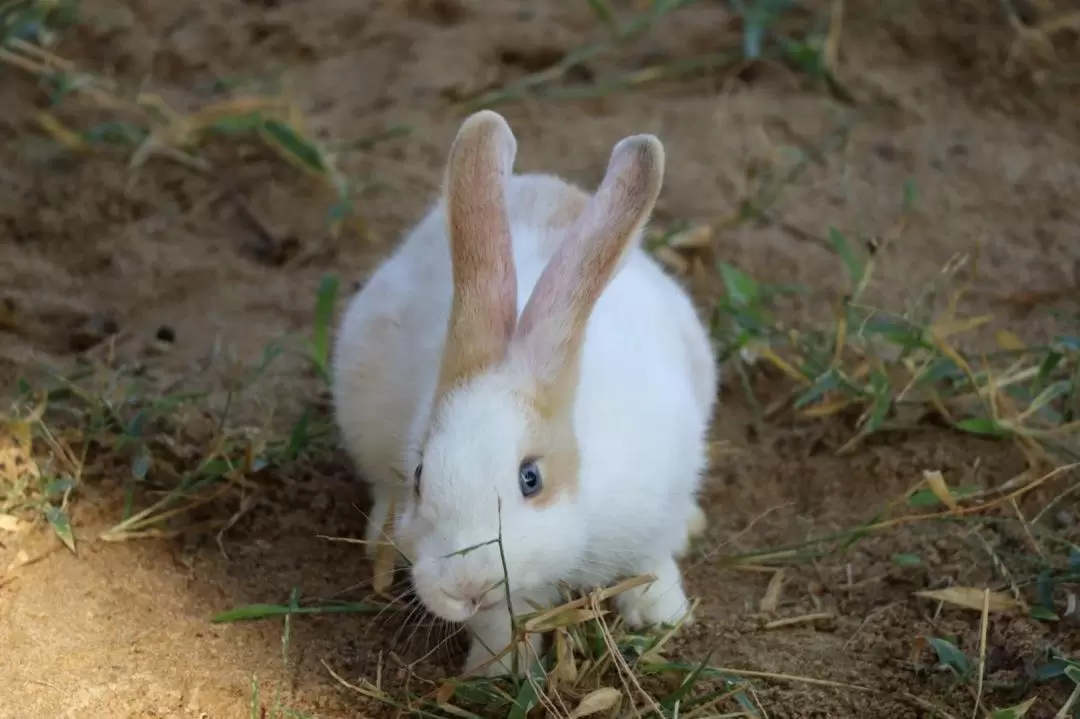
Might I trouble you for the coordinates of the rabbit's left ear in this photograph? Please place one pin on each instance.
(551, 330)
(484, 308)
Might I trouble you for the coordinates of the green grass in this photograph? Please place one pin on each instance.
(875, 371)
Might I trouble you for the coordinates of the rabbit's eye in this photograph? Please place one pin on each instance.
(416, 478)
(529, 478)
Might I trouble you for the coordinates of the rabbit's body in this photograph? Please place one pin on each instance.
(641, 404)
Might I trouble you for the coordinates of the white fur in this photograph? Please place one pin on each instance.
(648, 384)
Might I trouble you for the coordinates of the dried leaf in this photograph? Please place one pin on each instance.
(564, 618)
(672, 260)
(21, 558)
(694, 238)
(385, 556)
(1008, 341)
(771, 600)
(566, 671)
(972, 598)
(936, 482)
(60, 133)
(445, 693)
(596, 701)
(948, 328)
(9, 523)
(826, 409)
(777, 361)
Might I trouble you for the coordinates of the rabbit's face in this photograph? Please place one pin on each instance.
(494, 502)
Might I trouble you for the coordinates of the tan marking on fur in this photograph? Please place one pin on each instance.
(552, 440)
(551, 330)
(484, 307)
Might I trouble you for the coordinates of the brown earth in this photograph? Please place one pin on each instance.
(122, 630)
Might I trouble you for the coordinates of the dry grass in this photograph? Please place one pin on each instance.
(879, 369)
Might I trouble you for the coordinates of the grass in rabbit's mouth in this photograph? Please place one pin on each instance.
(185, 462)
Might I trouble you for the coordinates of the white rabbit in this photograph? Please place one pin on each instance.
(521, 368)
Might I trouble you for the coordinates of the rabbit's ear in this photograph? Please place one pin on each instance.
(484, 307)
(551, 330)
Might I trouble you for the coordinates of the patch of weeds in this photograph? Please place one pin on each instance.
(888, 371)
(35, 21)
(176, 449)
(969, 673)
(811, 51)
(147, 126)
(593, 666)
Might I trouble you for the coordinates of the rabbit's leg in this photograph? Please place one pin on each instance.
(661, 602)
(491, 632)
(376, 530)
(696, 525)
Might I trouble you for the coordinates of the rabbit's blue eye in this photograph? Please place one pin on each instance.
(529, 478)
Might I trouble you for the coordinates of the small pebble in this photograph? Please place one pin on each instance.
(165, 334)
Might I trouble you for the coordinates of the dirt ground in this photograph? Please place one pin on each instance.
(122, 629)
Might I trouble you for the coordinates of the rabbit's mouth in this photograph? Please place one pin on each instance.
(490, 604)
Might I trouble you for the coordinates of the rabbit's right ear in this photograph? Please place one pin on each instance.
(484, 308)
(551, 331)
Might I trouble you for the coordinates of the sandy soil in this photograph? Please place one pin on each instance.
(122, 630)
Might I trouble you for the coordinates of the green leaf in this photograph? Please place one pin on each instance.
(883, 399)
(942, 368)
(1054, 669)
(141, 466)
(115, 132)
(855, 266)
(1045, 585)
(60, 523)
(604, 12)
(982, 426)
(741, 288)
(907, 561)
(926, 498)
(251, 612)
(1043, 614)
(825, 383)
(324, 315)
(58, 487)
(911, 195)
(300, 148)
(299, 437)
(239, 124)
(1048, 395)
(1048, 365)
(528, 696)
(1014, 712)
(1070, 343)
(951, 656)
(687, 684)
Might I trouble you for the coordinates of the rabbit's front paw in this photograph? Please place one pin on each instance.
(661, 602)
